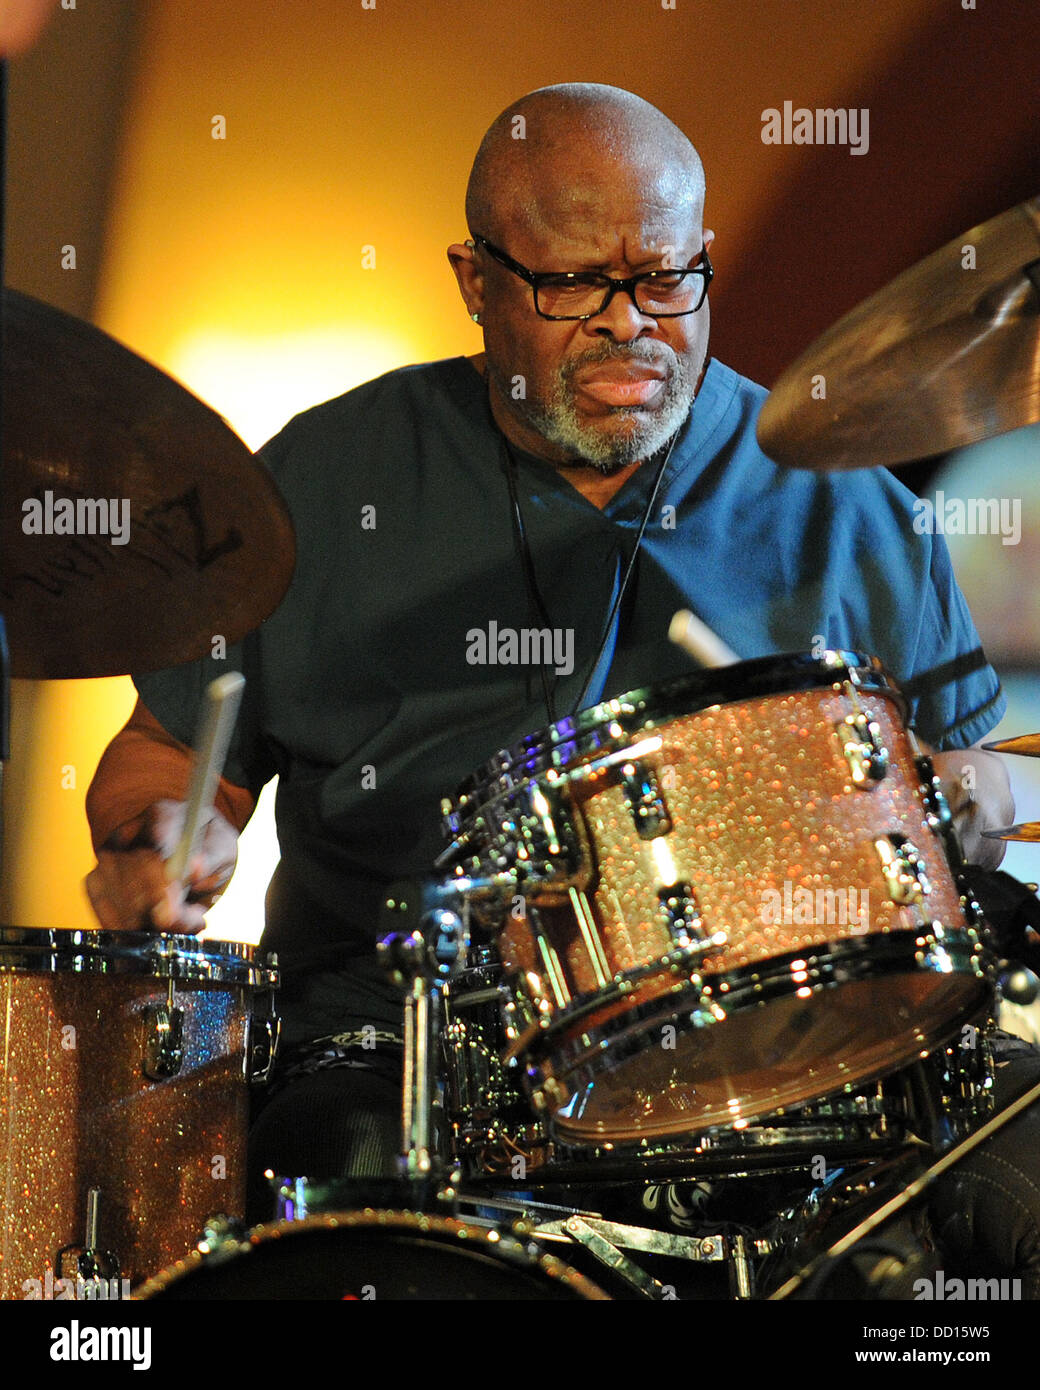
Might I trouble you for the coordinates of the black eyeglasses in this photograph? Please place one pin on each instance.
(661, 294)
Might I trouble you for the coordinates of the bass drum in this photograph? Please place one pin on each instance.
(372, 1255)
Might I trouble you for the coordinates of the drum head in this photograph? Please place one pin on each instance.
(759, 1060)
(373, 1255)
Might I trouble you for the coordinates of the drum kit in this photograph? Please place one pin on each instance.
(699, 988)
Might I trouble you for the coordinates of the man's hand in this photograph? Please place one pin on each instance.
(976, 785)
(129, 891)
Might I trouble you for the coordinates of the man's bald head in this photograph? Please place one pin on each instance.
(594, 184)
(536, 160)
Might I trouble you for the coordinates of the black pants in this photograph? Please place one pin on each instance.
(333, 1106)
(986, 1210)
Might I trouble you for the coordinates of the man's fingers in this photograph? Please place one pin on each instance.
(143, 887)
(129, 890)
(104, 908)
(202, 884)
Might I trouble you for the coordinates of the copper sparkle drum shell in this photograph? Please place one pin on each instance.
(719, 897)
(83, 1016)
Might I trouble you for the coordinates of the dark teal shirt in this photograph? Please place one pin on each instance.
(360, 694)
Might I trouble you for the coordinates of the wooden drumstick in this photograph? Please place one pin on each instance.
(697, 639)
(216, 722)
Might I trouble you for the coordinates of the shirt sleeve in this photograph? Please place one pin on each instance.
(955, 695)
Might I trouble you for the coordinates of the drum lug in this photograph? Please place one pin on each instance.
(93, 1265)
(938, 815)
(681, 915)
(970, 905)
(164, 1041)
(864, 750)
(935, 803)
(644, 801)
(551, 845)
(548, 1095)
(261, 1048)
(903, 868)
(529, 1011)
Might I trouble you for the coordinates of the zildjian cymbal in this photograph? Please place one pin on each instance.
(1026, 744)
(945, 355)
(135, 526)
(1028, 831)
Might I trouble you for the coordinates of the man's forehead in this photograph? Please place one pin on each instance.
(594, 220)
(581, 153)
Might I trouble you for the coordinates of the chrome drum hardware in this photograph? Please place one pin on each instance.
(717, 899)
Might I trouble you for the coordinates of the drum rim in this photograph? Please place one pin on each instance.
(514, 1251)
(921, 950)
(61, 950)
(648, 706)
(580, 1064)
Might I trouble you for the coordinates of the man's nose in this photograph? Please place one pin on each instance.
(621, 320)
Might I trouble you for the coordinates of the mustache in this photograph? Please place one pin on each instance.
(646, 354)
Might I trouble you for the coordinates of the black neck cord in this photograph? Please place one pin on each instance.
(509, 467)
(534, 596)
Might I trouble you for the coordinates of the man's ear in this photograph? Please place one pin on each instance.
(469, 277)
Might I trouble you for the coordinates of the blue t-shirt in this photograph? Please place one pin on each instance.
(371, 690)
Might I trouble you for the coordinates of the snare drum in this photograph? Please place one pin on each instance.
(493, 1138)
(123, 1100)
(718, 898)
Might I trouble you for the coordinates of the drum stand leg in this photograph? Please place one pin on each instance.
(606, 1240)
(420, 1014)
(421, 956)
(741, 1271)
(610, 1256)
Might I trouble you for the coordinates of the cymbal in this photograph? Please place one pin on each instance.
(136, 527)
(1028, 831)
(941, 357)
(1026, 744)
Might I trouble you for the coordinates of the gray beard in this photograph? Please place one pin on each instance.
(557, 419)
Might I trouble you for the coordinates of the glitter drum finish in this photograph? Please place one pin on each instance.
(719, 897)
(123, 1071)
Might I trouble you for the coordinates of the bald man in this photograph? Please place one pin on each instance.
(587, 474)
(599, 182)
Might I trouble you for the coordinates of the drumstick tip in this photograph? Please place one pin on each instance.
(679, 626)
(697, 639)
